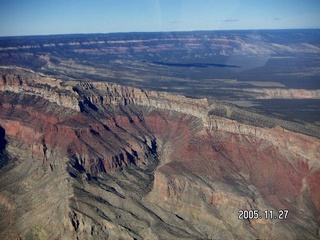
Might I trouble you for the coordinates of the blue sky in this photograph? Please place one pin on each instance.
(31, 17)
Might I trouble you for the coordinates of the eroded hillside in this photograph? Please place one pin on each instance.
(95, 160)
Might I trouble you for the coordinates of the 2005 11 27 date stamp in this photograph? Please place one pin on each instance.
(281, 214)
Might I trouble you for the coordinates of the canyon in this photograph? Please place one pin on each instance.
(263, 68)
(101, 160)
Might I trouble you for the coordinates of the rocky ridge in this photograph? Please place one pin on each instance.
(223, 42)
(145, 164)
(39, 85)
(280, 93)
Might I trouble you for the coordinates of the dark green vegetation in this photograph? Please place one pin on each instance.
(273, 114)
(302, 110)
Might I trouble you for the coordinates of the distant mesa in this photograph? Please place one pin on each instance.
(197, 65)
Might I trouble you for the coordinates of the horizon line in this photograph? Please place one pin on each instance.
(175, 31)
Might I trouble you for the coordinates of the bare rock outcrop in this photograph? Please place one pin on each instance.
(280, 93)
(120, 161)
(38, 85)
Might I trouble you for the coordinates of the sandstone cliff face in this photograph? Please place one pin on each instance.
(307, 147)
(45, 87)
(115, 94)
(98, 93)
(115, 161)
(279, 93)
(248, 43)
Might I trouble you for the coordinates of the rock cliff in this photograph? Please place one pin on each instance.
(96, 160)
(280, 93)
(37, 85)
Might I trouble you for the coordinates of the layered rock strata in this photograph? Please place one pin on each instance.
(93, 160)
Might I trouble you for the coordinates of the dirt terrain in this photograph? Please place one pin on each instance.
(98, 160)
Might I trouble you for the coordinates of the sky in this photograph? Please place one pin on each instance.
(43, 17)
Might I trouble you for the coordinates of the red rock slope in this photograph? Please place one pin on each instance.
(98, 160)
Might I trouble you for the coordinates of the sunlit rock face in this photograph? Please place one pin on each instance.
(104, 161)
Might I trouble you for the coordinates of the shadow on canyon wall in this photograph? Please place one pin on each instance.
(3, 143)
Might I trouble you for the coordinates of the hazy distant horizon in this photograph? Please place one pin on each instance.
(48, 17)
(187, 31)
